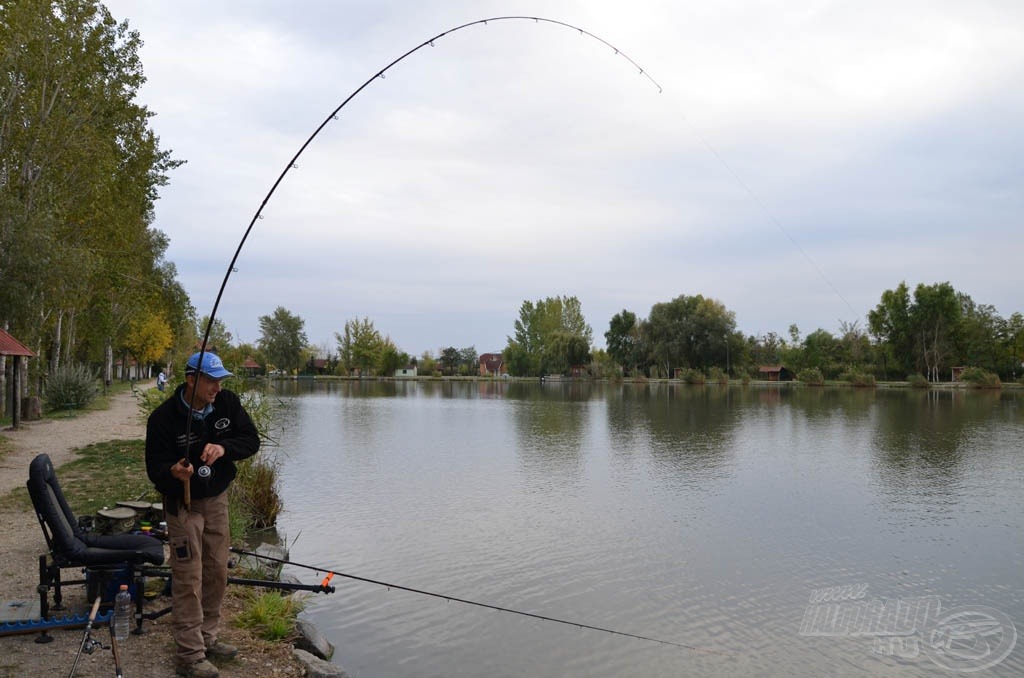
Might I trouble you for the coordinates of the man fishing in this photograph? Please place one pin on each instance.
(193, 478)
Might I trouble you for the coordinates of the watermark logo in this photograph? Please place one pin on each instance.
(967, 638)
(970, 638)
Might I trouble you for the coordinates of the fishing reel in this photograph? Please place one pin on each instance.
(204, 472)
(90, 645)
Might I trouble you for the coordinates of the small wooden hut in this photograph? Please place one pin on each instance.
(775, 373)
(9, 346)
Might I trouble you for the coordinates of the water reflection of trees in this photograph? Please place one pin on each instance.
(551, 424)
(826, 405)
(930, 430)
(685, 429)
(348, 387)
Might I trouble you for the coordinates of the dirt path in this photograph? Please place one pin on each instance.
(22, 542)
(61, 436)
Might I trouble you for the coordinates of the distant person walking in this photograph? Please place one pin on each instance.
(161, 381)
(221, 433)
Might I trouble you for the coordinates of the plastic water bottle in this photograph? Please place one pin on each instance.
(122, 613)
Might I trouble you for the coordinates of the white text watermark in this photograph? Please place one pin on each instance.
(965, 638)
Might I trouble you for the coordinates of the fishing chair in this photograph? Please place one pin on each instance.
(100, 557)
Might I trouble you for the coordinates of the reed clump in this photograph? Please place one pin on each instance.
(269, 614)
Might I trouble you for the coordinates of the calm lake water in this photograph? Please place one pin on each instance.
(706, 516)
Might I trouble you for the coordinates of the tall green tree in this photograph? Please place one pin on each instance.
(469, 360)
(689, 332)
(920, 331)
(982, 336)
(535, 330)
(625, 340)
(79, 172)
(283, 339)
(391, 359)
(220, 338)
(449, 360)
(563, 352)
(891, 323)
(821, 350)
(935, 317)
(360, 345)
(1015, 343)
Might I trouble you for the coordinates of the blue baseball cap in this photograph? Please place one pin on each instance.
(213, 366)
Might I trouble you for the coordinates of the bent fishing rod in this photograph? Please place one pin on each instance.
(333, 115)
(331, 573)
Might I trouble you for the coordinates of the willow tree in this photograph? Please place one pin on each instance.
(689, 331)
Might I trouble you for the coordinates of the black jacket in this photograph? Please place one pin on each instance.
(228, 425)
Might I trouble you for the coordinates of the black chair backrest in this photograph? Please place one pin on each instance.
(63, 536)
(68, 543)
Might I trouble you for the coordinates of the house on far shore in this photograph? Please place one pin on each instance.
(407, 371)
(775, 373)
(251, 368)
(491, 365)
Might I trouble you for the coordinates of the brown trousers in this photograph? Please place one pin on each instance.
(199, 539)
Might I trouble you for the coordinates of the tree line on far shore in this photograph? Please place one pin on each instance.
(921, 334)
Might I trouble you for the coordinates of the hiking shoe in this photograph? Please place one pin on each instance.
(221, 650)
(197, 669)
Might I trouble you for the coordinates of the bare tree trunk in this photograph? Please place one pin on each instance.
(16, 381)
(57, 334)
(3, 385)
(108, 365)
(69, 345)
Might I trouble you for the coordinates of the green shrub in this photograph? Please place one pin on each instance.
(976, 377)
(71, 387)
(691, 376)
(856, 378)
(150, 399)
(811, 377)
(918, 381)
(718, 376)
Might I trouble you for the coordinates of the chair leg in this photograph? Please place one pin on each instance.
(43, 589)
(140, 595)
(49, 578)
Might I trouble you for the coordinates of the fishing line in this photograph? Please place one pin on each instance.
(335, 573)
(333, 115)
(771, 217)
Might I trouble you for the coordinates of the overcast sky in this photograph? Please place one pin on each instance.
(802, 158)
